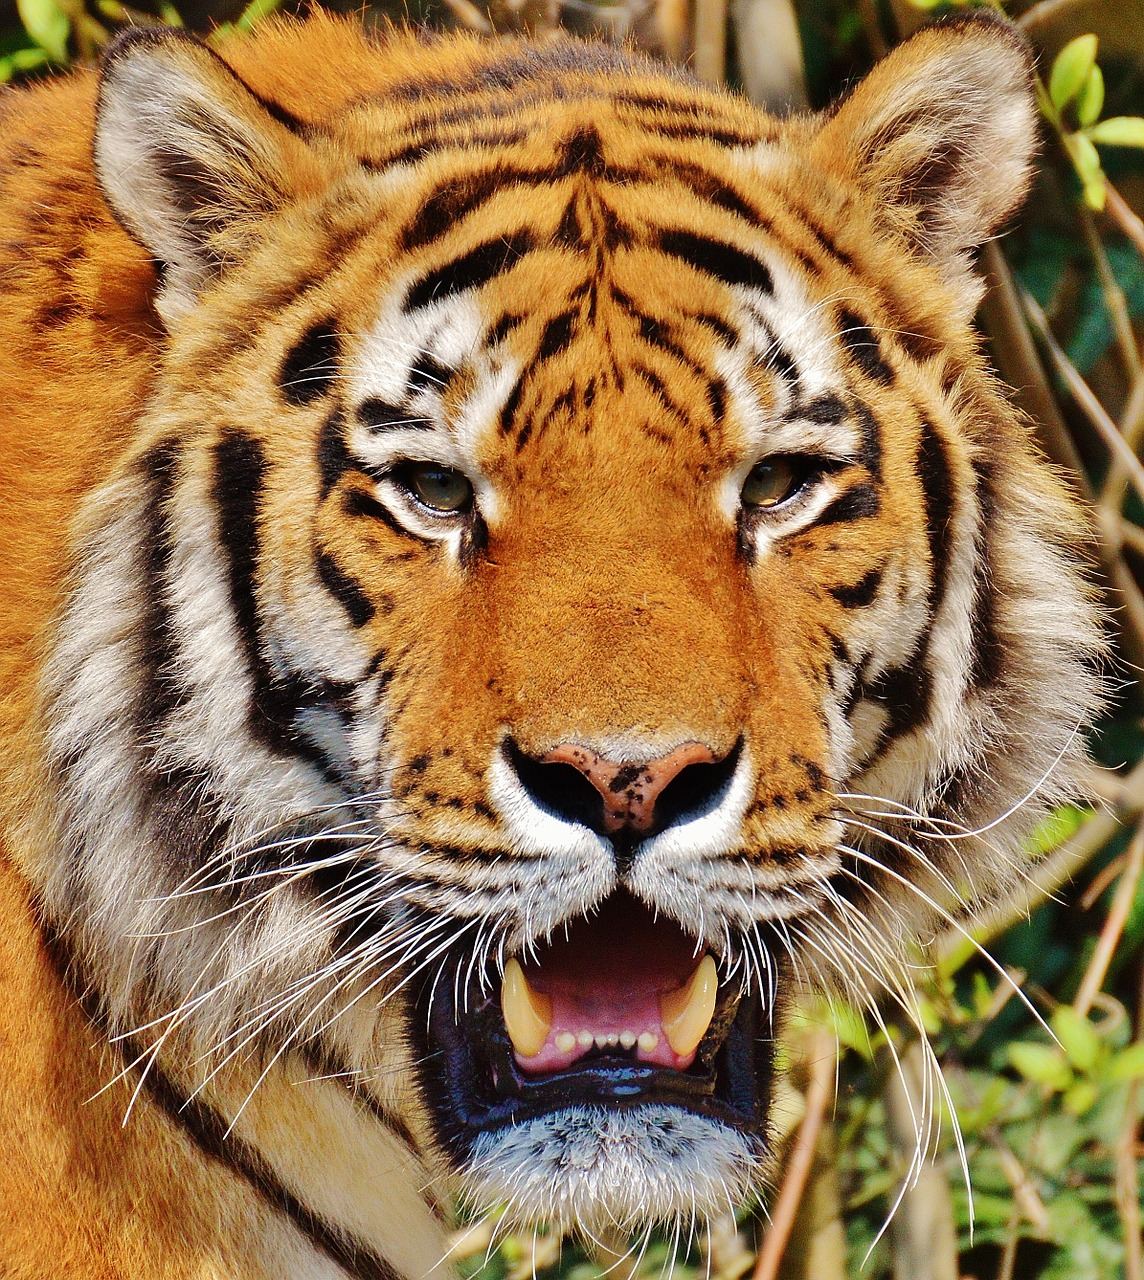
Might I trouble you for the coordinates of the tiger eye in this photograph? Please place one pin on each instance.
(770, 482)
(440, 489)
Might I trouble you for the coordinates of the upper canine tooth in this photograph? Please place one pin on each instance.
(527, 1013)
(687, 1013)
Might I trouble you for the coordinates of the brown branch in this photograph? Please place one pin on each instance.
(1106, 944)
(821, 1062)
(1114, 297)
(1125, 218)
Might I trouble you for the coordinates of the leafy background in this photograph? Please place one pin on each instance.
(1050, 1120)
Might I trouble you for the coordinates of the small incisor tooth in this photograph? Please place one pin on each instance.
(687, 1013)
(527, 1013)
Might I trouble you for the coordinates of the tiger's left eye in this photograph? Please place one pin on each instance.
(441, 489)
(773, 481)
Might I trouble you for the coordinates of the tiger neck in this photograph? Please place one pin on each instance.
(263, 1171)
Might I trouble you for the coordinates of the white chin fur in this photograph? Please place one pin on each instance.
(602, 1170)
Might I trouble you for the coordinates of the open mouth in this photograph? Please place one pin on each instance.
(619, 1009)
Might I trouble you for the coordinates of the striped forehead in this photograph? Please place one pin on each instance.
(447, 314)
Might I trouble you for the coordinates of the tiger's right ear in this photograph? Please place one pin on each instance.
(189, 159)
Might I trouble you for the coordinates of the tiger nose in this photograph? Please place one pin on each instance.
(623, 798)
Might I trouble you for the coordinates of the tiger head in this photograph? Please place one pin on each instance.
(574, 574)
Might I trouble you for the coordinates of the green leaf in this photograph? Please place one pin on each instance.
(1090, 100)
(1056, 827)
(21, 60)
(48, 25)
(1128, 1064)
(1042, 1064)
(1078, 1039)
(1119, 131)
(1070, 70)
(1081, 1097)
(254, 13)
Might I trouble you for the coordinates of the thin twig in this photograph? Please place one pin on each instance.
(1084, 396)
(1114, 297)
(1106, 944)
(1125, 218)
(821, 1064)
(1127, 1174)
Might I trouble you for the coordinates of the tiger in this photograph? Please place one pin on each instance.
(518, 572)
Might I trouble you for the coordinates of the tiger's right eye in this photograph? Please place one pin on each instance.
(773, 481)
(442, 489)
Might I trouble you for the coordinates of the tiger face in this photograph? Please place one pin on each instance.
(572, 568)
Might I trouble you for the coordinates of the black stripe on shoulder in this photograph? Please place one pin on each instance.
(162, 691)
(717, 258)
(938, 499)
(311, 365)
(859, 502)
(865, 350)
(207, 1129)
(346, 591)
(475, 268)
(862, 593)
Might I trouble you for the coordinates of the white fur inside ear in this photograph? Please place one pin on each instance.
(182, 151)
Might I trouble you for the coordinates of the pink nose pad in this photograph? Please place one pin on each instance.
(629, 790)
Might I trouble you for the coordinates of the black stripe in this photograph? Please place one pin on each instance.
(427, 373)
(870, 451)
(207, 1129)
(311, 365)
(859, 502)
(865, 350)
(471, 270)
(825, 409)
(905, 693)
(716, 258)
(711, 189)
(240, 470)
(581, 152)
(988, 649)
(455, 199)
(357, 503)
(938, 498)
(161, 690)
(334, 458)
(376, 414)
(345, 590)
(861, 594)
(510, 406)
(718, 326)
(557, 336)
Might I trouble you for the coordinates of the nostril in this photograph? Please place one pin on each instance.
(696, 789)
(560, 788)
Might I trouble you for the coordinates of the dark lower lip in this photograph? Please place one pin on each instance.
(475, 1087)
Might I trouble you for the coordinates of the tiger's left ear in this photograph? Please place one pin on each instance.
(189, 159)
(942, 133)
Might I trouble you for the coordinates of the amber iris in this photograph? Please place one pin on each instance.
(441, 489)
(772, 481)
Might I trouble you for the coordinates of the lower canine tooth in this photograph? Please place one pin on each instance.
(527, 1013)
(687, 1012)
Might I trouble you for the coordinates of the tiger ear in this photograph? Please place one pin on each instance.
(188, 157)
(943, 133)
